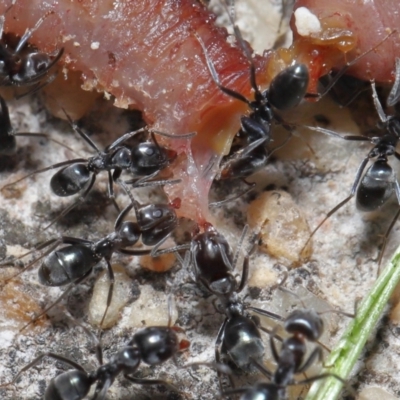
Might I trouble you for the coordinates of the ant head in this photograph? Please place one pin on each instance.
(210, 248)
(32, 67)
(156, 344)
(122, 158)
(149, 157)
(70, 180)
(128, 359)
(156, 221)
(289, 87)
(129, 232)
(305, 322)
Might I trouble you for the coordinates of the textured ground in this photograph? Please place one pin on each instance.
(341, 271)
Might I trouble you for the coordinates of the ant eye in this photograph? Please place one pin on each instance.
(157, 213)
(149, 151)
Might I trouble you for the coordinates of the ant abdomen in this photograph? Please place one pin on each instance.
(305, 321)
(376, 186)
(70, 180)
(289, 87)
(66, 265)
(156, 344)
(242, 341)
(74, 381)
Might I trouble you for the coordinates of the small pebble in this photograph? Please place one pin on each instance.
(375, 393)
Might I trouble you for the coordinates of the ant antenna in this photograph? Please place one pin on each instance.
(394, 94)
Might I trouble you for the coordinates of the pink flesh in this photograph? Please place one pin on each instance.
(369, 20)
(147, 56)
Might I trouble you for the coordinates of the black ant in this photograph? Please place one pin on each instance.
(213, 261)
(379, 182)
(25, 68)
(304, 325)
(145, 160)
(73, 264)
(286, 91)
(152, 346)
(249, 154)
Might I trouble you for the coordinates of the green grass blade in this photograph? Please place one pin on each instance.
(343, 358)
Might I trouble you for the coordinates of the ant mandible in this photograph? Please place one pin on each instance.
(27, 68)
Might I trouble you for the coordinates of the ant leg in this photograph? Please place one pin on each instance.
(323, 376)
(134, 252)
(385, 238)
(316, 353)
(215, 204)
(154, 251)
(110, 293)
(217, 345)
(342, 203)
(245, 271)
(214, 75)
(3, 17)
(70, 287)
(273, 346)
(40, 358)
(46, 136)
(81, 199)
(91, 335)
(28, 33)
(111, 194)
(394, 94)
(124, 138)
(173, 249)
(145, 181)
(122, 215)
(266, 313)
(139, 381)
(58, 165)
(102, 388)
(263, 369)
(171, 135)
(377, 104)
(50, 242)
(80, 132)
(239, 246)
(336, 135)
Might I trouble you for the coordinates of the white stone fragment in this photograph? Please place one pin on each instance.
(306, 22)
(374, 393)
(95, 45)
